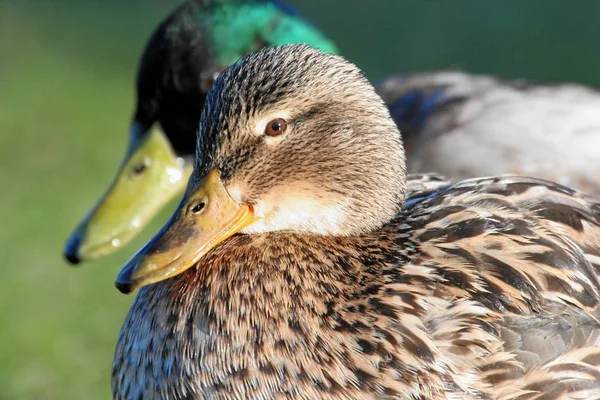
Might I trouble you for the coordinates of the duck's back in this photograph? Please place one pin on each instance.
(464, 126)
(517, 260)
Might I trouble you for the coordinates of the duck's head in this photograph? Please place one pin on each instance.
(177, 68)
(291, 139)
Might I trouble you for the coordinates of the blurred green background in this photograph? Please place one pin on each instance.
(66, 95)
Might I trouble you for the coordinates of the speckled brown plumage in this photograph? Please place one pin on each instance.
(485, 289)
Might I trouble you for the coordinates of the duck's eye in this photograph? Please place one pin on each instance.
(197, 207)
(276, 127)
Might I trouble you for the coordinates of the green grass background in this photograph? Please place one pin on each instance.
(66, 95)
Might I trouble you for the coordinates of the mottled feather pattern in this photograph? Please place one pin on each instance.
(573, 376)
(439, 304)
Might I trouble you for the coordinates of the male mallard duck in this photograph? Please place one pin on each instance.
(294, 267)
(177, 67)
(464, 126)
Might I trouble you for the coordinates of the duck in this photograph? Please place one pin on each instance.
(176, 69)
(455, 124)
(465, 125)
(300, 263)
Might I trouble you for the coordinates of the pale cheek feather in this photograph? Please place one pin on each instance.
(299, 212)
(236, 192)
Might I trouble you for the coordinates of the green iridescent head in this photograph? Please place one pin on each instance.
(181, 59)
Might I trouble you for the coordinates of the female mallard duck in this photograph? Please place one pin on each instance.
(464, 125)
(181, 58)
(335, 287)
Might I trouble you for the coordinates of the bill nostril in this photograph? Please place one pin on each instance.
(198, 207)
(139, 168)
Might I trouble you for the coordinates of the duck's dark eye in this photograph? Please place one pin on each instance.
(139, 168)
(198, 207)
(276, 127)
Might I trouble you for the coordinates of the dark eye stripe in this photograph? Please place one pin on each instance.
(308, 114)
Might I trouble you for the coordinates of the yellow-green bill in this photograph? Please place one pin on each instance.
(206, 216)
(150, 175)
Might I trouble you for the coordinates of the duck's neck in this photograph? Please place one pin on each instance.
(260, 314)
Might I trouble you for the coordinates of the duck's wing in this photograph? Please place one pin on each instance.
(573, 376)
(415, 98)
(420, 185)
(519, 260)
(464, 125)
